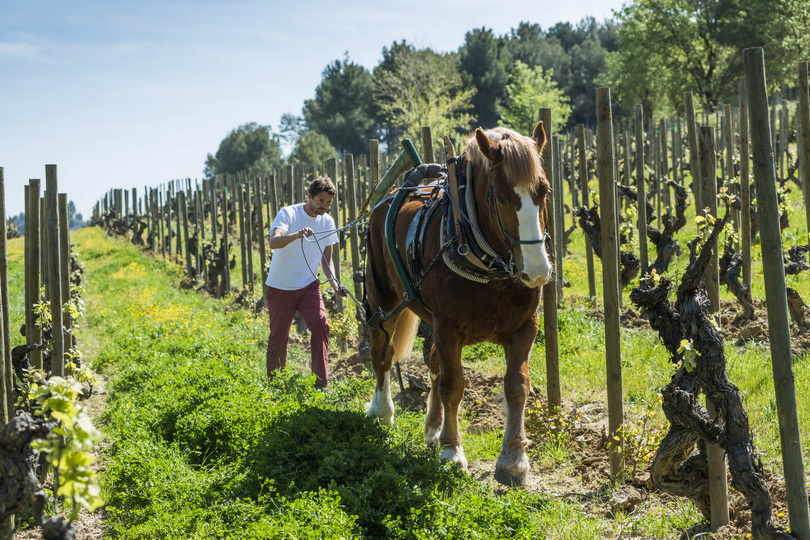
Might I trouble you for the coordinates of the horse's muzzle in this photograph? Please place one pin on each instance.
(534, 283)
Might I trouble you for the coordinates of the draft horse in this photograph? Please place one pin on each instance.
(466, 303)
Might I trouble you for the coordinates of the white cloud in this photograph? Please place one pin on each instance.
(19, 50)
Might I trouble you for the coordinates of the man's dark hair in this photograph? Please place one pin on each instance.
(321, 185)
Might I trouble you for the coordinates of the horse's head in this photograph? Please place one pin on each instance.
(517, 190)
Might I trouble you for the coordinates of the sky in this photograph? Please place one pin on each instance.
(125, 94)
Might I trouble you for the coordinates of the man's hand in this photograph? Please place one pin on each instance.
(343, 292)
(306, 231)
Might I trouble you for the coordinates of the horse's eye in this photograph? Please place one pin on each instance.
(501, 199)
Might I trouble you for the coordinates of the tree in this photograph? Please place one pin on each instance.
(530, 88)
(588, 62)
(696, 45)
(486, 61)
(529, 44)
(576, 55)
(312, 149)
(342, 108)
(249, 147)
(291, 128)
(418, 88)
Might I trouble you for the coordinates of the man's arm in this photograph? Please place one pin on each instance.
(279, 239)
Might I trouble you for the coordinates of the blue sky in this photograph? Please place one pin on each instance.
(122, 94)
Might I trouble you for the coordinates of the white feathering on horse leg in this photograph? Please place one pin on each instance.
(381, 405)
(455, 454)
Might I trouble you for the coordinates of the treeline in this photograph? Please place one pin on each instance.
(15, 225)
(650, 53)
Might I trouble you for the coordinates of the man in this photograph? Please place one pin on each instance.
(301, 237)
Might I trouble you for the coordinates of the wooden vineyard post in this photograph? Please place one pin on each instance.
(179, 246)
(64, 267)
(664, 176)
(708, 182)
(745, 189)
(775, 294)
(729, 177)
(239, 201)
(641, 200)
(161, 209)
(718, 485)
(181, 203)
(260, 226)
(694, 159)
(804, 142)
(6, 369)
(274, 197)
(331, 172)
(212, 197)
(225, 284)
(427, 145)
(249, 225)
(572, 142)
(33, 267)
(559, 225)
(610, 278)
(348, 170)
(550, 320)
(54, 283)
(583, 182)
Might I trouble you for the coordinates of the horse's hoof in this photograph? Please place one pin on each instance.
(432, 438)
(455, 455)
(509, 479)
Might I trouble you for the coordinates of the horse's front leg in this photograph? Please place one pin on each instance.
(450, 386)
(512, 466)
(381, 405)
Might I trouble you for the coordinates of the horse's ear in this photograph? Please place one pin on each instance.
(539, 136)
(488, 148)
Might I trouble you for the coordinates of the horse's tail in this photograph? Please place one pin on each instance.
(404, 334)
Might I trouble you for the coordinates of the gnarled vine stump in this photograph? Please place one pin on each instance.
(591, 223)
(680, 466)
(730, 269)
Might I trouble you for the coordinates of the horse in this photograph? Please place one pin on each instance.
(509, 194)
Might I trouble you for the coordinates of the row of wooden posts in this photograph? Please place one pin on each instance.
(47, 268)
(251, 202)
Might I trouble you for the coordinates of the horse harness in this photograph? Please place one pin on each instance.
(463, 247)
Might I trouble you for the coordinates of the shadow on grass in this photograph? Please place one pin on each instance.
(377, 472)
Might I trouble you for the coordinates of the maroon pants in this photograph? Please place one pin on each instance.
(282, 306)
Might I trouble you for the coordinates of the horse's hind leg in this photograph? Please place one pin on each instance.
(385, 350)
(512, 466)
(435, 410)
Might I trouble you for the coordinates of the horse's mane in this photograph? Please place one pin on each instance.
(521, 161)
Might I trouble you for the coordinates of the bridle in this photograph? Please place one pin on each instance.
(510, 241)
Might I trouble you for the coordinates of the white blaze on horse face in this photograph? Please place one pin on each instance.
(537, 268)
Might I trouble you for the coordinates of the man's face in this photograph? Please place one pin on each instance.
(319, 204)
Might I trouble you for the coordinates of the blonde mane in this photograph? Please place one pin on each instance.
(521, 161)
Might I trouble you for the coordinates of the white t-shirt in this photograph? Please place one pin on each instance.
(295, 265)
